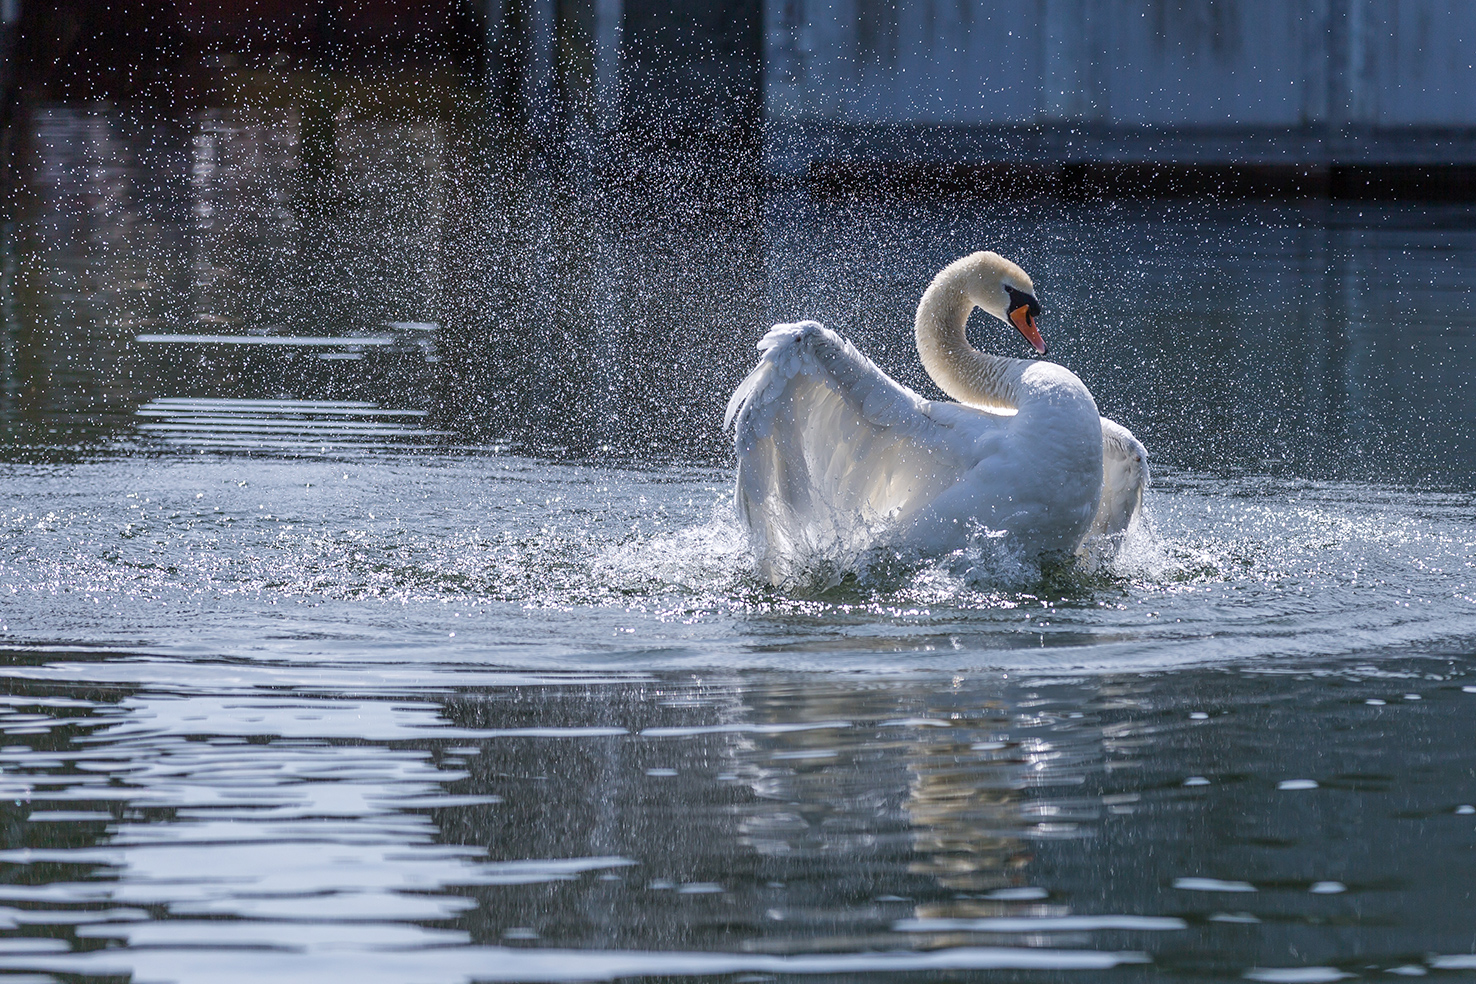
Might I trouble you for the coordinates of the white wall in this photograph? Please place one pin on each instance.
(1181, 63)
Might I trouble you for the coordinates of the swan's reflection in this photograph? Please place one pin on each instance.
(935, 797)
(964, 803)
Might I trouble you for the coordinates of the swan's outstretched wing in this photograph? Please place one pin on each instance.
(832, 452)
(1124, 477)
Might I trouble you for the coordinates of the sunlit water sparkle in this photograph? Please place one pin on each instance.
(566, 561)
(303, 683)
(484, 717)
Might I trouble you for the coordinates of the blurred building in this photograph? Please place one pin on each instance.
(1310, 93)
(1195, 82)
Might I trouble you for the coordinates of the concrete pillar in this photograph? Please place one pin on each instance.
(1316, 61)
(9, 15)
(1066, 62)
(609, 30)
(522, 60)
(539, 72)
(1351, 37)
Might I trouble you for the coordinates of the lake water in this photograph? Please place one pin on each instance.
(371, 606)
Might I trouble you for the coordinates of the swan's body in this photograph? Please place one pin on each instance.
(835, 458)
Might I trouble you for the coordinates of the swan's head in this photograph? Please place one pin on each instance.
(1002, 289)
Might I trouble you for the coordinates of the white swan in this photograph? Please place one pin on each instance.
(835, 458)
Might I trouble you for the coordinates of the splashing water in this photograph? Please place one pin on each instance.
(132, 552)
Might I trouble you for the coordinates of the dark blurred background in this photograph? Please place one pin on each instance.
(1334, 97)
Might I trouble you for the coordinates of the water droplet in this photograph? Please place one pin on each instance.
(1196, 781)
(1327, 888)
(1199, 716)
(1297, 784)
(1376, 702)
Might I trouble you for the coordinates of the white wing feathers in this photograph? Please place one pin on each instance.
(807, 347)
(830, 449)
(835, 457)
(1124, 477)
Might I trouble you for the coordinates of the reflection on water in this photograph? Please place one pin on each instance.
(426, 716)
(281, 425)
(309, 676)
(1313, 339)
(712, 824)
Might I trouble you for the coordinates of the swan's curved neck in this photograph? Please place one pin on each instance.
(979, 379)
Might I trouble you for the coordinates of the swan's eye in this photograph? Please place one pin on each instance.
(1019, 299)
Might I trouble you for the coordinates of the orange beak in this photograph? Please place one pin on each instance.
(1023, 321)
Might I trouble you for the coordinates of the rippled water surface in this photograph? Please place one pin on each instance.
(350, 634)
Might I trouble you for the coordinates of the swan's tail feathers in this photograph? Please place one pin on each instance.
(1124, 477)
(830, 451)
